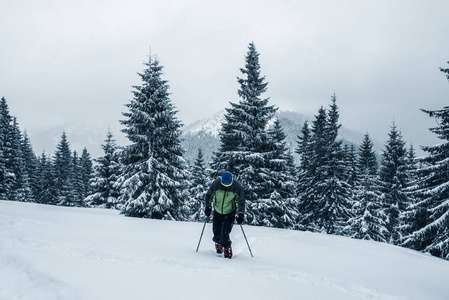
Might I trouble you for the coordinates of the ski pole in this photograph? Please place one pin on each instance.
(246, 241)
(207, 219)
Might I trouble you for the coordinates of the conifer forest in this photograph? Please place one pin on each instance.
(337, 188)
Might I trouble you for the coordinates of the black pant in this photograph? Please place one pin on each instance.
(222, 226)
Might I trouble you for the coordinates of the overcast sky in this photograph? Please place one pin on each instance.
(65, 62)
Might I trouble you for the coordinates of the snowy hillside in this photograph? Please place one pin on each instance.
(210, 125)
(49, 252)
(202, 134)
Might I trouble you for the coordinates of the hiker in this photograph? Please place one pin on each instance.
(229, 201)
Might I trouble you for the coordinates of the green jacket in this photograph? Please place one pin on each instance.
(227, 199)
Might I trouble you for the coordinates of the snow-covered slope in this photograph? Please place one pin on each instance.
(77, 253)
(210, 125)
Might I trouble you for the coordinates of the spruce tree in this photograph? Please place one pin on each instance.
(243, 138)
(412, 166)
(393, 181)
(16, 175)
(200, 184)
(280, 187)
(3, 186)
(77, 181)
(63, 173)
(431, 213)
(291, 169)
(325, 204)
(3, 176)
(368, 221)
(21, 183)
(336, 189)
(305, 151)
(105, 191)
(87, 172)
(30, 163)
(311, 175)
(279, 162)
(411, 220)
(333, 125)
(154, 179)
(352, 171)
(367, 161)
(7, 176)
(304, 146)
(46, 193)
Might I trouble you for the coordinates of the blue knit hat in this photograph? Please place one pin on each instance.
(226, 179)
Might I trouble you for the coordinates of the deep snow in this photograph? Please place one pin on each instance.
(49, 252)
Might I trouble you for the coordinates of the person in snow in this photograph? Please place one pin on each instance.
(229, 201)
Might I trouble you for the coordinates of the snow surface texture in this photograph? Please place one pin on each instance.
(49, 252)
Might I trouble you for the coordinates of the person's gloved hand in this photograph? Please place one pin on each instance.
(208, 211)
(240, 218)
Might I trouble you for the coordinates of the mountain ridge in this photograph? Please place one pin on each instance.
(204, 134)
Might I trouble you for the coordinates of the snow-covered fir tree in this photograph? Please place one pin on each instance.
(105, 191)
(368, 221)
(279, 162)
(7, 176)
(431, 213)
(325, 200)
(30, 164)
(46, 193)
(304, 146)
(244, 140)
(77, 180)
(199, 184)
(87, 171)
(412, 220)
(21, 187)
(3, 186)
(412, 165)
(279, 198)
(305, 151)
(312, 145)
(336, 187)
(350, 158)
(393, 182)
(63, 173)
(367, 161)
(18, 162)
(154, 178)
(292, 170)
(15, 164)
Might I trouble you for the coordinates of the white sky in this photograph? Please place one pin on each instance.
(76, 61)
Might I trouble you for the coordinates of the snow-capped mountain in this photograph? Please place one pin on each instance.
(204, 134)
(210, 125)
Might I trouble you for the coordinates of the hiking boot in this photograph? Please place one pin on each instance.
(228, 252)
(219, 248)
